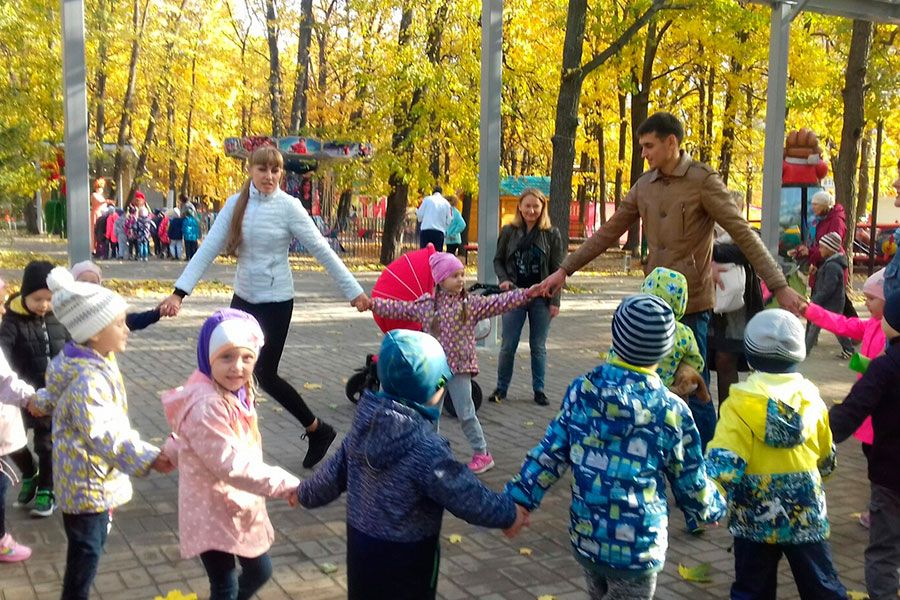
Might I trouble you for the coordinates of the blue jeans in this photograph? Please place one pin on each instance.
(224, 581)
(756, 570)
(704, 414)
(538, 313)
(87, 536)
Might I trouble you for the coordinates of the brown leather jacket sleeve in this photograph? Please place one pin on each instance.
(718, 204)
(606, 236)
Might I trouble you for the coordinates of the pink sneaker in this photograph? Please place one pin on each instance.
(481, 463)
(11, 551)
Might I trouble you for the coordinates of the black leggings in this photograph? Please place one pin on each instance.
(275, 319)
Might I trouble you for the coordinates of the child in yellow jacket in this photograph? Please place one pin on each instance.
(771, 449)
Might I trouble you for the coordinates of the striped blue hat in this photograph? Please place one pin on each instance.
(643, 330)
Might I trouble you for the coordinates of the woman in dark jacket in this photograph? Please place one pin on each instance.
(725, 352)
(529, 249)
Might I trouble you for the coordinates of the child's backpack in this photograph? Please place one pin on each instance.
(131, 228)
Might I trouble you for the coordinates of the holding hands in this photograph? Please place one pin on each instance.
(163, 464)
(362, 303)
(523, 519)
(170, 306)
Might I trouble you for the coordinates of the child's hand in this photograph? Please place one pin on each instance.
(294, 498)
(523, 519)
(32, 409)
(163, 464)
(803, 308)
(535, 291)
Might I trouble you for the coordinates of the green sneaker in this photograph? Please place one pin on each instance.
(29, 489)
(44, 503)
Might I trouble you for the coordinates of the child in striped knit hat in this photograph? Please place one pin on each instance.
(623, 434)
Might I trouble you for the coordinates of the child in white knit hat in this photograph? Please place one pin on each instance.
(95, 448)
(90, 272)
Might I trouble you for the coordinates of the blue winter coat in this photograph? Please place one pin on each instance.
(399, 475)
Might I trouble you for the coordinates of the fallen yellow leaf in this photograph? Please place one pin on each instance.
(177, 595)
(699, 574)
(312, 386)
(546, 597)
(455, 538)
(525, 551)
(328, 568)
(854, 595)
(528, 423)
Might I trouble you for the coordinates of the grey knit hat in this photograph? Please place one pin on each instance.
(774, 341)
(83, 308)
(643, 330)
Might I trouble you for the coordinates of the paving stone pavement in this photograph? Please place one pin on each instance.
(328, 341)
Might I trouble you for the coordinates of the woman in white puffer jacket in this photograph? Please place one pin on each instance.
(257, 225)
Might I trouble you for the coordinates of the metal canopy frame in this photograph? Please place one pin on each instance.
(783, 14)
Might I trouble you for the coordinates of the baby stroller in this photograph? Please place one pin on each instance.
(407, 278)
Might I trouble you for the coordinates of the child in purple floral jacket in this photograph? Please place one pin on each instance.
(450, 315)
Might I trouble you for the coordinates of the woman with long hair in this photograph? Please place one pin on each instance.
(528, 250)
(256, 226)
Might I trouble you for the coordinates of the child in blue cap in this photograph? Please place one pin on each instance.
(400, 475)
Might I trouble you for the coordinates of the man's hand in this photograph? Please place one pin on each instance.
(170, 306)
(789, 299)
(361, 302)
(523, 519)
(554, 282)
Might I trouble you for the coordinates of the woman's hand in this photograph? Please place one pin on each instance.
(507, 285)
(170, 306)
(554, 311)
(361, 302)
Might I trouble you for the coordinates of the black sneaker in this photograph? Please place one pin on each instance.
(497, 397)
(540, 398)
(319, 441)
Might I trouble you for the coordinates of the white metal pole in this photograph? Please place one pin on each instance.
(76, 134)
(489, 142)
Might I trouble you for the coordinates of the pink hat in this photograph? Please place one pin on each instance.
(874, 285)
(443, 265)
(86, 266)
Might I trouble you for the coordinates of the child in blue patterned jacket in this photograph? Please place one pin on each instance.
(400, 475)
(772, 448)
(623, 433)
(94, 446)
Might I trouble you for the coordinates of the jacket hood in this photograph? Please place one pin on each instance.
(626, 405)
(177, 403)
(82, 358)
(837, 212)
(669, 286)
(780, 408)
(386, 430)
(16, 304)
(841, 259)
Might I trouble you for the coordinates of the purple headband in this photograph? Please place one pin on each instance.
(206, 331)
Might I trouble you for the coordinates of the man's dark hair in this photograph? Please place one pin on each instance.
(663, 124)
(182, 197)
(437, 190)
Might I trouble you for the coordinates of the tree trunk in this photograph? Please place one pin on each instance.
(710, 114)
(398, 197)
(138, 18)
(581, 193)
(729, 116)
(466, 214)
(640, 106)
(623, 145)
(322, 80)
(102, 59)
(170, 140)
(299, 117)
(865, 154)
(854, 122)
(566, 122)
(601, 173)
(186, 176)
(274, 67)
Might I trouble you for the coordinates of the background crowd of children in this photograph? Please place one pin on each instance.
(127, 234)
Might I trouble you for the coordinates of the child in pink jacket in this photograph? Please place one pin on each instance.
(450, 315)
(223, 481)
(869, 331)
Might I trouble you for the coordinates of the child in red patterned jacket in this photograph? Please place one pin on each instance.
(450, 315)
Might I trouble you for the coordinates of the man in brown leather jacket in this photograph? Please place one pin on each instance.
(679, 201)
